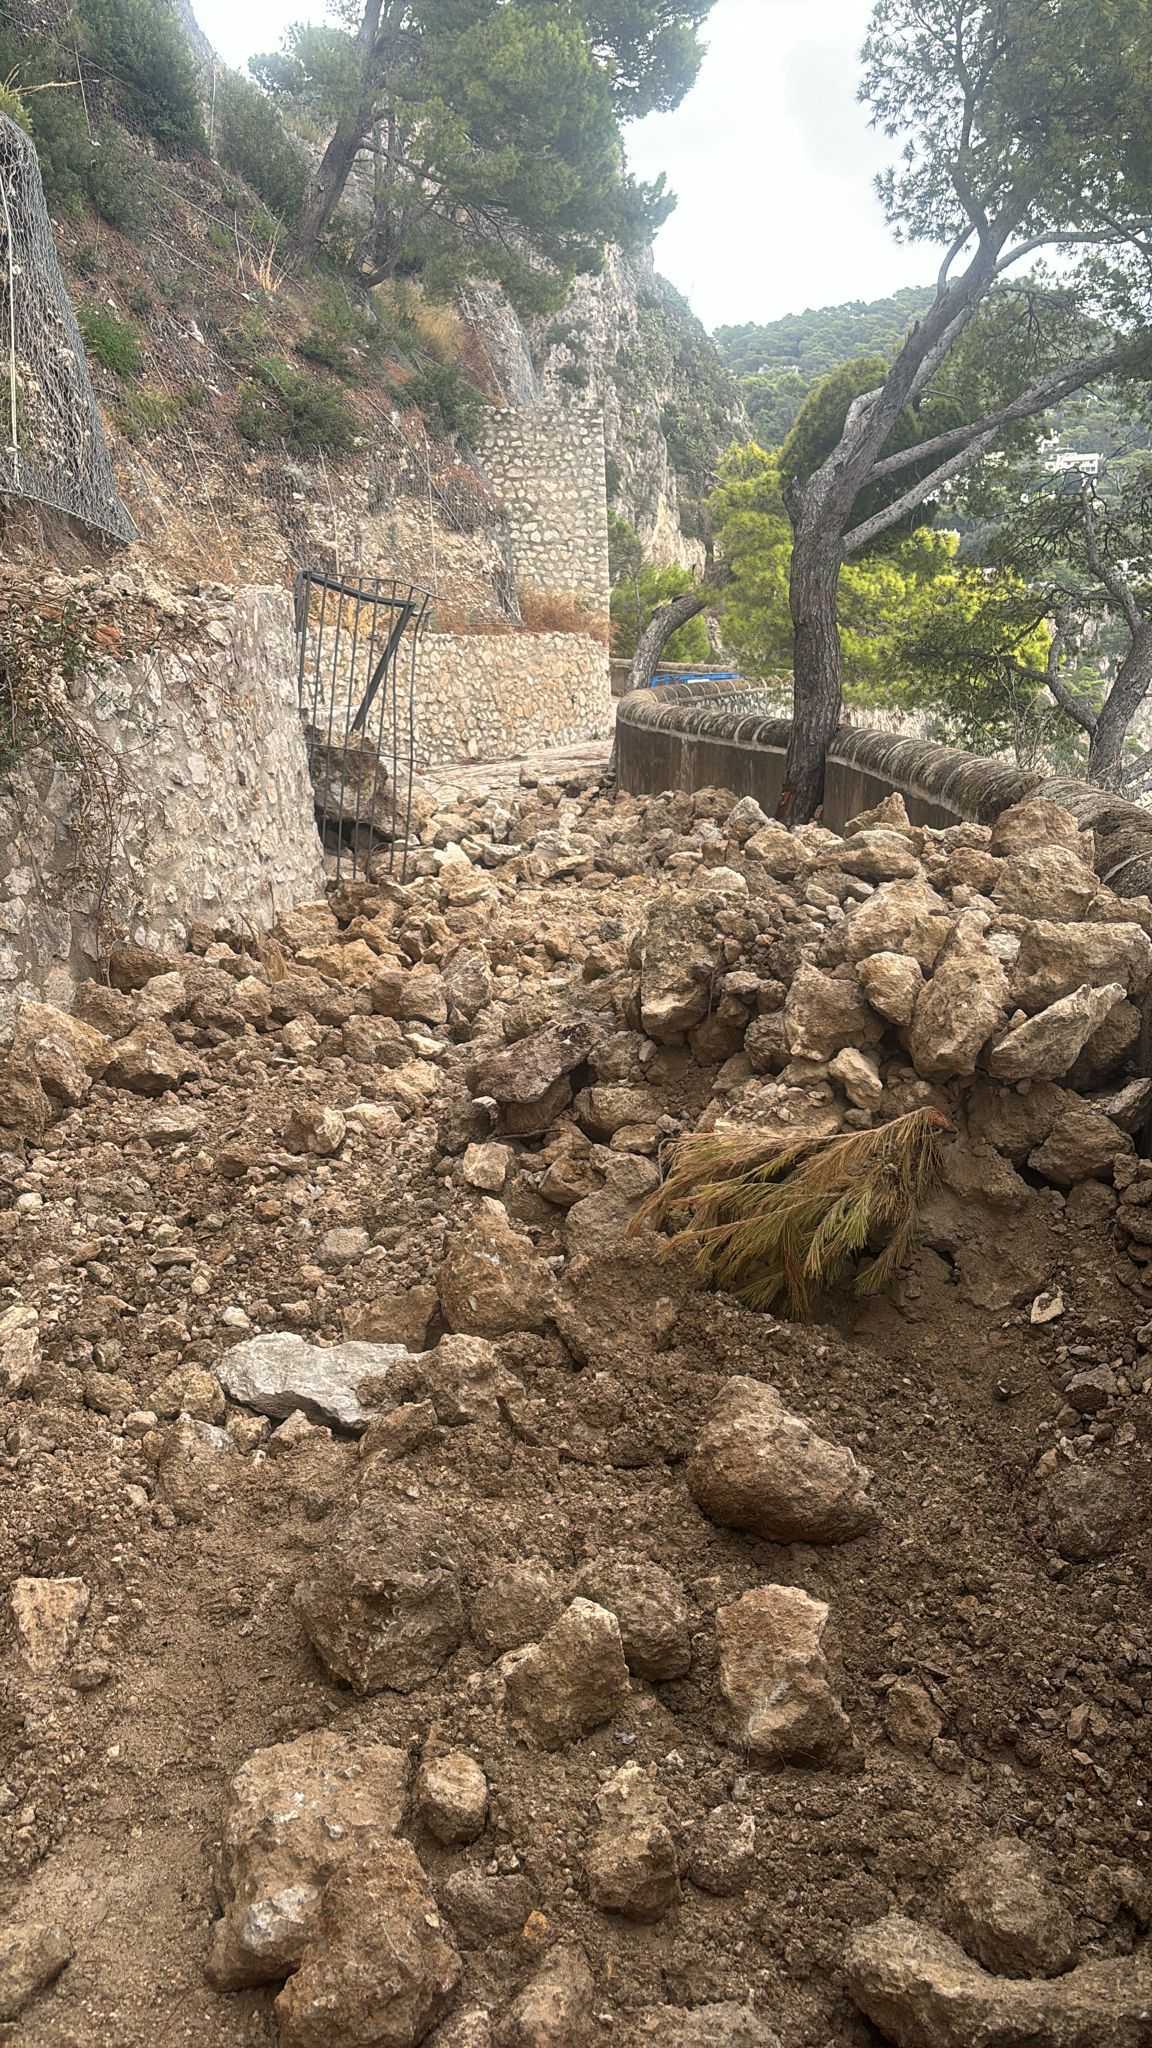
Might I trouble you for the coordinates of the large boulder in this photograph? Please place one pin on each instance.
(65, 1053)
(631, 1863)
(677, 966)
(279, 1373)
(492, 1282)
(1004, 1909)
(922, 1991)
(756, 1466)
(526, 1070)
(1035, 825)
(1082, 1144)
(1045, 881)
(382, 1604)
(1045, 1046)
(902, 917)
(381, 1968)
(960, 1007)
(572, 1680)
(296, 1813)
(824, 1013)
(1056, 959)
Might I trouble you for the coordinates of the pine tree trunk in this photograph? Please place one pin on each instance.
(659, 631)
(327, 188)
(817, 697)
(1133, 681)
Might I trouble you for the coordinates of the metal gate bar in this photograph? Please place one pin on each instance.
(358, 643)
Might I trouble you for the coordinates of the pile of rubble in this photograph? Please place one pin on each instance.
(608, 1680)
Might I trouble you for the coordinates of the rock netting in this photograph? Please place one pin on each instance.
(538, 1648)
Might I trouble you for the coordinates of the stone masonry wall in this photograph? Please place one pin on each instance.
(547, 465)
(489, 697)
(213, 816)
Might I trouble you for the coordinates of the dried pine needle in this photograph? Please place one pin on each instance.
(773, 1221)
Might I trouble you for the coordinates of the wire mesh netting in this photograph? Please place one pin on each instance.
(52, 448)
(358, 641)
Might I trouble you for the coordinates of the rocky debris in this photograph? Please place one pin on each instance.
(65, 1054)
(527, 1070)
(825, 1013)
(518, 1605)
(775, 1678)
(1034, 825)
(382, 1605)
(555, 2008)
(492, 1282)
(380, 1968)
(922, 1991)
(452, 1797)
(315, 1127)
(677, 965)
(572, 1680)
(652, 1614)
(726, 2025)
(1045, 1046)
(1085, 1513)
(150, 1062)
(892, 983)
(32, 1956)
(1082, 1144)
(1055, 960)
(296, 1813)
(758, 1467)
(195, 1468)
(483, 1908)
(48, 1614)
(631, 1863)
(1004, 1909)
(911, 1719)
(280, 1374)
(722, 1852)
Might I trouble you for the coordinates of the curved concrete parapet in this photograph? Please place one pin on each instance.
(728, 735)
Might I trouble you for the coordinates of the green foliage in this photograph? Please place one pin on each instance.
(813, 343)
(118, 184)
(283, 404)
(339, 334)
(54, 118)
(449, 402)
(252, 141)
(772, 1221)
(143, 414)
(639, 590)
(497, 130)
(141, 44)
(110, 341)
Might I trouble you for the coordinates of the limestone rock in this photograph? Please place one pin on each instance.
(1085, 1513)
(902, 917)
(518, 1605)
(467, 1380)
(131, 966)
(316, 1127)
(1045, 881)
(492, 1281)
(874, 854)
(526, 1070)
(279, 1373)
(380, 1969)
(486, 1165)
(65, 1053)
(1056, 959)
(631, 1863)
(48, 1614)
(382, 1606)
(676, 971)
(610, 1106)
(150, 1062)
(777, 851)
(756, 1466)
(652, 1612)
(823, 1013)
(775, 1677)
(1004, 1909)
(922, 1991)
(416, 998)
(1035, 824)
(911, 1719)
(555, 2009)
(859, 1077)
(1015, 1124)
(196, 1468)
(483, 1908)
(452, 1796)
(572, 1680)
(960, 1007)
(296, 1813)
(25, 1110)
(396, 1317)
(722, 1852)
(1047, 1044)
(32, 1955)
(1082, 1144)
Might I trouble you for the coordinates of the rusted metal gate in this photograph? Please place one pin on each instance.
(358, 641)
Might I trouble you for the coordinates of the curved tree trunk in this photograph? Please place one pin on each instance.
(1113, 720)
(817, 696)
(668, 620)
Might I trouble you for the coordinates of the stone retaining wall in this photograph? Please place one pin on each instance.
(697, 735)
(547, 465)
(210, 805)
(489, 697)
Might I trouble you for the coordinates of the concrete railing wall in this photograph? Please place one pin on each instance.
(701, 735)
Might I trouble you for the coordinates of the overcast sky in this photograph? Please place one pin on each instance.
(770, 156)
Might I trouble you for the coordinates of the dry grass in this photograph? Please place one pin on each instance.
(777, 1222)
(422, 324)
(557, 611)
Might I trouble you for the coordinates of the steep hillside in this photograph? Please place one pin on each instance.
(778, 363)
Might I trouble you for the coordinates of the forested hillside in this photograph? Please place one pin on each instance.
(779, 363)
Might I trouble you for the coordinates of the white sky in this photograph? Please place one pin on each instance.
(770, 156)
